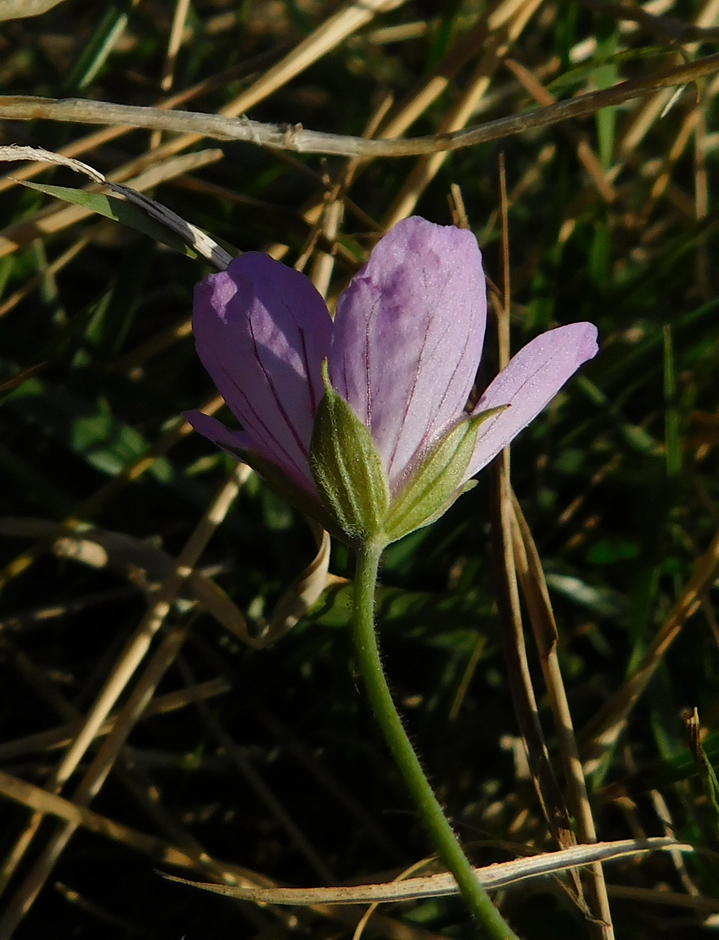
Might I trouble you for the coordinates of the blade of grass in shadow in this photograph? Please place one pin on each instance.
(119, 211)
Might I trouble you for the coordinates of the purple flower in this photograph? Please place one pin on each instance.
(402, 352)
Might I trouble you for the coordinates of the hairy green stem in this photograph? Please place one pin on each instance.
(445, 841)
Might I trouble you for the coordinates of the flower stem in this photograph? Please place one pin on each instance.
(445, 841)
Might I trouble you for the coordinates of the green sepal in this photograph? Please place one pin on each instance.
(438, 481)
(347, 469)
(460, 491)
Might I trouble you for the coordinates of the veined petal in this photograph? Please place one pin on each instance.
(408, 336)
(262, 331)
(530, 380)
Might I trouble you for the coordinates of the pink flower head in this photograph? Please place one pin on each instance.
(402, 352)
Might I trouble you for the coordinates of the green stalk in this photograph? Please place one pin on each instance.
(445, 841)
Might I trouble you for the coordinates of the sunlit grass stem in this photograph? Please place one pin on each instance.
(443, 837)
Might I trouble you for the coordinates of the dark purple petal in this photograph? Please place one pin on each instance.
(302, 493)
(408, 337)
(262, 331)
(215, 431)
(531, 379)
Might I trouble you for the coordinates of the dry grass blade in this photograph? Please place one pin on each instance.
(330, 220)
(523, 697)
(190, 234)
(404, 114)
(500, 875)
(159, 850)
(294, 137)
(183, 849)
(15, 9)
(359, 929)
(541, 616)
(508, 603)
(167, 853)
(691, 125)
(439, 79)
(174, 43)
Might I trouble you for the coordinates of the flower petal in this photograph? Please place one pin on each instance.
(408, 336)
(531, 379)
(216, 432)
(302, 495)
(262, 331)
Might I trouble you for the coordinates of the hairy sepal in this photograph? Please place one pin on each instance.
(347, 469)
(439, 480)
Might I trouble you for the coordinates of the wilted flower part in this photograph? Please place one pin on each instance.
(402, 352)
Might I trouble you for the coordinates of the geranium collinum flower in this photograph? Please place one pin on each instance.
(402, 354)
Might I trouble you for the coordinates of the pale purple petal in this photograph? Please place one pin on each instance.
(531, 379)
(408, 337)
(262, 331)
